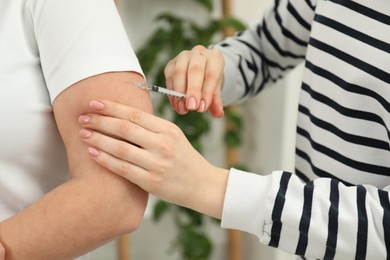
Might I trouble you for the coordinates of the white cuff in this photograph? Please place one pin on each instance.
(245, 204)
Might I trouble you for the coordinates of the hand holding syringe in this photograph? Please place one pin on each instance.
(157, 89)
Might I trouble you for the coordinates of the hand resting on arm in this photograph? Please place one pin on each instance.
(154, 154)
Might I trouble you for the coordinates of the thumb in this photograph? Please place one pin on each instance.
(216, 107)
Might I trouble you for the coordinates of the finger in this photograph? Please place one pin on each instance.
(212, 79)
(195, 76)
(127, 170)
(216, 108)
(181, 107)
(168, 73)
(110, 144)
(120, 111)
(120, 149)
(179, 73)
(118, 128)
(179, 77)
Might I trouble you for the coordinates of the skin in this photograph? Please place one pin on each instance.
(95, 205)
(154, 154)
(2, 252)
(198, 73)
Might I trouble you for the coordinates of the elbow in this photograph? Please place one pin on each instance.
(137, 214)
(134, 210)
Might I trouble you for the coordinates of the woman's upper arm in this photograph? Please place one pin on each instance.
(95, 205)
(109, 203)
(74, 101)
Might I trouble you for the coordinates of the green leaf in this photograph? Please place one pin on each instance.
(194, 218)
(169, 18)
(149, 54)
(208, 4)
(236, 24)
(232, 139)
(194, 245)
(160, 208)
(193, 125)
(235, 119)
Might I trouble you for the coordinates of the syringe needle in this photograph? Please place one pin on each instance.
(168, 92)
(158, 89)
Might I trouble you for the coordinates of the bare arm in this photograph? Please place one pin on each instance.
(94, 206)
(155, 154)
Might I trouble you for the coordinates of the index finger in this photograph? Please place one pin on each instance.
(195, 76)
(134, 115)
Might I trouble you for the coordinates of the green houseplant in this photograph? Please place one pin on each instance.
(174, 35)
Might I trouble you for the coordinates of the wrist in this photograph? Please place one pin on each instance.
(211, 196)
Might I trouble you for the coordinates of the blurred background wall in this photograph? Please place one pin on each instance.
(268, 137)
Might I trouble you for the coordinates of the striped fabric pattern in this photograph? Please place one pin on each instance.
(341, 211)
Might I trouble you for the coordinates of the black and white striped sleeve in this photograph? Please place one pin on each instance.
(267, 50)
(322, 219)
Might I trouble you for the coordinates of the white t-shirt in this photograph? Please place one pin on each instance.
(45, 47)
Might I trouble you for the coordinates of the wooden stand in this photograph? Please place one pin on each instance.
(123, 247)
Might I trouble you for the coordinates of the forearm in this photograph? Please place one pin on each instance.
(74, 218)
(209, 196)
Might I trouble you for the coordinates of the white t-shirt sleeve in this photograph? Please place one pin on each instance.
(78, 39)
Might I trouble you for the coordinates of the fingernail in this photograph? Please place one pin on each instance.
(84, 133)
(93, 152)
(222, 114)
(97, 105)
(173, 105)
(191, 103)
(181, 107)
(84, 119)
(202, 106)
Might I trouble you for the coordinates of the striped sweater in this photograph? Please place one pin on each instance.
(336, 205)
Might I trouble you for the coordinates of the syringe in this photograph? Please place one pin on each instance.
(157, 89)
